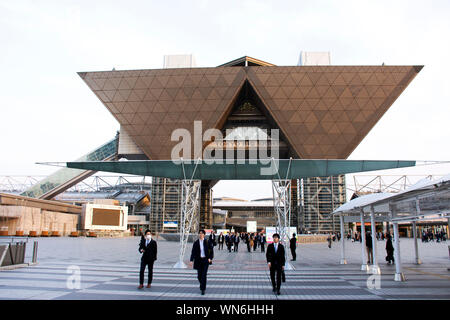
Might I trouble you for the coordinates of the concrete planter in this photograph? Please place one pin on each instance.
(55, 234)
(92, 234)
(3, 232)
(32, 234)
(44, 233)
(19, 233)
(73, 234)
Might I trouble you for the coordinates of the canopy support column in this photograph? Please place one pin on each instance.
(364, 266)
(190, 197)
(281, 189)
(399, 276)
(343, 260)
(416, 246)
(375, 267)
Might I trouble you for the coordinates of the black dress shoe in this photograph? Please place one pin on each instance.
(203, 292)
(274, 289)
(278, 292)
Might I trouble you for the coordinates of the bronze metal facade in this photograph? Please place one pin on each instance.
(323, 111)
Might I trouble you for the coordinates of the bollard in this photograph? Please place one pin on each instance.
(35, 249)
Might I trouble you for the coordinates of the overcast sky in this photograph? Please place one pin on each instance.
(47, 113)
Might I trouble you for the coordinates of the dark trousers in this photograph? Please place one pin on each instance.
(294, 254)
(236, 245)
(262, 247)
(229, 246)
(220, 245)
(150, 271)
(255, 244)
(278, 271)
(248, 246)
(202, 272)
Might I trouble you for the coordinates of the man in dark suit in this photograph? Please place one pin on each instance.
(276, 261)
(262, 241)
(221, 240)
(236, 242)
(293, 246)
(212, 238)
(149, 250)
(228, 242)
(202, 255)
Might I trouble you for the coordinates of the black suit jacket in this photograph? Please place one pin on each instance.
(150, 251)
(195, 254)
(277, 259)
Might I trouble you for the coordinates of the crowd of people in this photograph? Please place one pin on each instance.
(202, 254)
(429, 235)
(253, 241)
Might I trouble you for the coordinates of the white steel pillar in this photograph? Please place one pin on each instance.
(343, 260)
(375, 268)
(364, 266)
(416, 246)
(281, 190)
(190, 198)
(399, 276)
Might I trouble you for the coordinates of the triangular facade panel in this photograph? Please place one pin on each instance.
(322, 111)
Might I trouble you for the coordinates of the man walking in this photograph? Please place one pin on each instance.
(262, 241)
(293, 246)
(236, 242)
(369, 248)
(275, 260)
(221, 240)
(212, 238)
(202, 255)
(149, 249)
(228, 242)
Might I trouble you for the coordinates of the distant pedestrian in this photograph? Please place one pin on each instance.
(221, 240)
(228, 242)
(389, 250)
(149, 249)
(236, 242)
(201, 257)
(329, 240)
(369, 248)
(212, 238)
(250, 242)
(293, 246)
(262, 241)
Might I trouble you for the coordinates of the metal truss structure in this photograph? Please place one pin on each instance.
(190, 200)
(281, 189)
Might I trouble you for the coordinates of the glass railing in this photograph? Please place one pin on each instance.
(64, 175)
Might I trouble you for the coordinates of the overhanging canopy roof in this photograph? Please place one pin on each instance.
(323, 111)
(425, 200)
(290, 169)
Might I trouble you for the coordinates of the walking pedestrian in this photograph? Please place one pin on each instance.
(293, 246)
(221, 240)
(369, 248)
(149, 249)
(276, 261)
(201, 257)
(389, 250)
(236, 242)
(262, 241)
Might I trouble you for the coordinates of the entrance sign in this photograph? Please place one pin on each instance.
(251, 226)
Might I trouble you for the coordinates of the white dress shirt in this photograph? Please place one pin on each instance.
(202, 250)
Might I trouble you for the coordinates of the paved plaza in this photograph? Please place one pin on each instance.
(109, 270)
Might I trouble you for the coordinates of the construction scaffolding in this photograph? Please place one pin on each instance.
(165, 204)
(320, 196)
